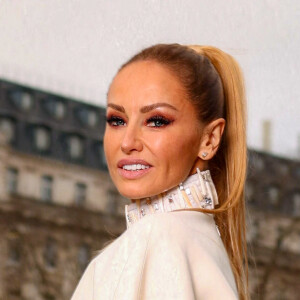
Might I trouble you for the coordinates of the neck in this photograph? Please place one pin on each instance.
(197, 191)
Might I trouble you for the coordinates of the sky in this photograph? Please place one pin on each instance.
(74, 48)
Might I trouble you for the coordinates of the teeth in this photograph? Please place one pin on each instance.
(135, 167)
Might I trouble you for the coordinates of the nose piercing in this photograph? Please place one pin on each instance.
(204, 154)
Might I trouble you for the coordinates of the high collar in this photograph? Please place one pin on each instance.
(197, 191)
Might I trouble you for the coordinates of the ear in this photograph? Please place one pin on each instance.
(211, 138)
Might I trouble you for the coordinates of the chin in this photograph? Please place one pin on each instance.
(133, 195)
(136, 193)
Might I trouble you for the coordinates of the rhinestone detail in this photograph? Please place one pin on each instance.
(197, 190)
(188, 191)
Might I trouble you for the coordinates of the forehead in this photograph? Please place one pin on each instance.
(146, 79)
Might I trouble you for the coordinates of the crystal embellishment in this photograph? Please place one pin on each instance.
(128, 218)
(207, 200)
(188, 191)
(197, 191)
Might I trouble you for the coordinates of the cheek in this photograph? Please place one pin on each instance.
(174, 147)
(109, 144)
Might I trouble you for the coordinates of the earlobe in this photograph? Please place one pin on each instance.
(204, 154)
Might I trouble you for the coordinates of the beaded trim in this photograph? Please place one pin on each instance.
(198, 190)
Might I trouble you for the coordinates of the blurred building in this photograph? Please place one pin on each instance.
(57, 202)
(58, 205)
(273, 205)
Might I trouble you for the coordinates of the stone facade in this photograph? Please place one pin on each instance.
(58, 206)
(273, 220)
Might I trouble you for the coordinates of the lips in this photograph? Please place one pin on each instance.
(132, 161)
(133, 174)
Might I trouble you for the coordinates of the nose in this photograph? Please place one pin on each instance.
(131, 140)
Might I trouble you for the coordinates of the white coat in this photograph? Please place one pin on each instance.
(170, 255)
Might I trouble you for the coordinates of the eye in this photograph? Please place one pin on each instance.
(115, 121)
(158, 121)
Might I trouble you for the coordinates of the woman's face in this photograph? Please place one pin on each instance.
(152, 135)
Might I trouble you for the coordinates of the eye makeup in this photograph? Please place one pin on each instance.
(157, 120)
(115, 121)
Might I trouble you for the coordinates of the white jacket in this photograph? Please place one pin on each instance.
(168, 255)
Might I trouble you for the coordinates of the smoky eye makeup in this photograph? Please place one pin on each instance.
(113, 120)
(154, 121)
(158, 121)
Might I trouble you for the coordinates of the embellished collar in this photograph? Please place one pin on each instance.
(197, 191)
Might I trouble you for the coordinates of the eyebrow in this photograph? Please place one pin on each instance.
(144, 109)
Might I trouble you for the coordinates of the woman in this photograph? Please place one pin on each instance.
(175, 120)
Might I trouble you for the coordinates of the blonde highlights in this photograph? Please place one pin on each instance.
(214, 83)
(230, 216)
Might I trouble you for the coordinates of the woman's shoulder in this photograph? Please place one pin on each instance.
(181, 245)
(164, 256)
(177, 227)
(190, 231)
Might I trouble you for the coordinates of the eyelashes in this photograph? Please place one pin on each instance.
(155, 121)
(159, 121)
(114, 121)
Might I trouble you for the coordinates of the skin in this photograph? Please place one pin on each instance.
(173, 149)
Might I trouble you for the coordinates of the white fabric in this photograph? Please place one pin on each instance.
(169, 255)
(197, 191)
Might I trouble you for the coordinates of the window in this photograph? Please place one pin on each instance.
(273, 194)
(22, 99)
(296, 170)
(283, 168)
(14, 250)
(46, 188)
(42, 138)
(249, 191)
(75, 147)
(296, 203)
(8, 127)
(12, 180)
(14, 293)
(102, 155)
(91, 118)
(99, 153)
(80, 194)
(56, 108)
(50, 253)
(83, 256)
(48, 296)
(253, 232)
(112, 202)
(88, 116)
(259, 163)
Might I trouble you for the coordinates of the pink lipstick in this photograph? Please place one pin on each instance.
(133, 168)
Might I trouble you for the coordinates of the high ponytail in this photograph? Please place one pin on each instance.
(232, 157)
(215, 85)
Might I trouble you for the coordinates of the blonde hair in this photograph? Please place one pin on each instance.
(230, 216)
(215, 85)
